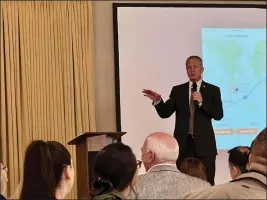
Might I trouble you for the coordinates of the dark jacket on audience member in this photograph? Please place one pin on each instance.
(2, 197)
(114, 195)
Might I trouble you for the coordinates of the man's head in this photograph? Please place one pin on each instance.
(194, 68)
(238, 160)
(258, 155)
(159, 148)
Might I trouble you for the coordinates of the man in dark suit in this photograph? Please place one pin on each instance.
(195, 104)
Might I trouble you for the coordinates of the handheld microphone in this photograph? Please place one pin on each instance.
(194, 89)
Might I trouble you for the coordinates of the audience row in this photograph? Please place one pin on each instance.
(49, 172)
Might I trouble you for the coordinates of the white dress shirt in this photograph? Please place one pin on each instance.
(198, 89)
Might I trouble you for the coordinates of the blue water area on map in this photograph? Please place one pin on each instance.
(235, 60)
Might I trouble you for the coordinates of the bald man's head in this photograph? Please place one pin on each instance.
(159, 147)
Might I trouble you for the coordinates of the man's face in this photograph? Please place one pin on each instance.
(194, 69)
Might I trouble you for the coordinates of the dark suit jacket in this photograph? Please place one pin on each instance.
(2, 197)
(211, 108)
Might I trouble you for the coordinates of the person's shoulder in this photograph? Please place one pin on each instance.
(2, 197)
(223, 191)
(149, 178)
(182, 85)
(209, 85)
(208, 193)
(107, 197)
(145, 177)
(194, 183)
(202, 183)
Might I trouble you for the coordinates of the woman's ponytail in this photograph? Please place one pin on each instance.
(47, 169)
(101, 186)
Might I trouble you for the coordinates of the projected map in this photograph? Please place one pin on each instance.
(235, 60)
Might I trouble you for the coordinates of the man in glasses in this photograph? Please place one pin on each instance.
(162, 178)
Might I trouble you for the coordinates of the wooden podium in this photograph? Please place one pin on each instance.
(87, 146)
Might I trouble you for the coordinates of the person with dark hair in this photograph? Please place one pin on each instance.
(115, 172)
(195, 103)
(250, 185)
(4, 180)
(193, 167)
(48, 171)
(238, 160)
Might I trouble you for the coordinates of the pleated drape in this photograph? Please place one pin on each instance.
(47, 89)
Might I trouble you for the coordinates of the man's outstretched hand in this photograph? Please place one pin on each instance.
(152, 95)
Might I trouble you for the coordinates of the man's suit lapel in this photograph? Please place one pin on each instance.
(186, 92)
(203, 89)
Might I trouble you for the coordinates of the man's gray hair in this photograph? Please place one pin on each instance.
(165, 148)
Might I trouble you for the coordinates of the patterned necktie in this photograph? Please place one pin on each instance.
(192, 108)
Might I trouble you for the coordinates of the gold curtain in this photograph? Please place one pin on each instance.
(46, 77)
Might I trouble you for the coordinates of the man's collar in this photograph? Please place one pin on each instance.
(163, 166)
(256, 166)
(198, 83)
(253, 175)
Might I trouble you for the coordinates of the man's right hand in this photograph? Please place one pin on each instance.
(152, 95)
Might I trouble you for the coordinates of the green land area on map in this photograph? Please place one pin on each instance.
(235, 60)
(229, 52)
(238, 67)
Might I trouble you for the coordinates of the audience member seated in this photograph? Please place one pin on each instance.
(250, 185)
(115, 172)
(162, 179)
(193, 167)
(48, 171)
(4, 180)
(238, 160)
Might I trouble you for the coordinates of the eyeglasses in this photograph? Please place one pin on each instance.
(5, 169)
(139, 163)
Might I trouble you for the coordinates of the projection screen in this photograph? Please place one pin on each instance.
(152, 43)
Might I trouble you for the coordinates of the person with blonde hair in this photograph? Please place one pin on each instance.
(4, 180)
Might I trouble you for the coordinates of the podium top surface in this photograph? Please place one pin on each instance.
(83, 136)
